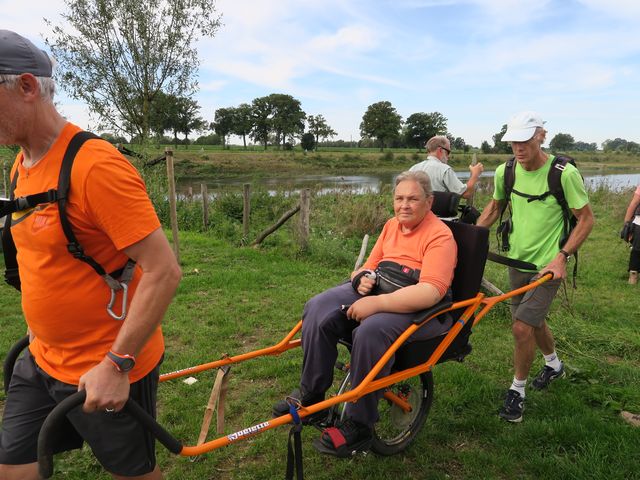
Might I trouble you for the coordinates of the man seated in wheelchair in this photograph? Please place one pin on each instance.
(409, 270)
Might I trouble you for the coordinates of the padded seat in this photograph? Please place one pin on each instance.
(473, 246)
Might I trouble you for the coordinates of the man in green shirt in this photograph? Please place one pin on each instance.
(536, 237)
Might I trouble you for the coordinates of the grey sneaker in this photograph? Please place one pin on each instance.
(513, 407)
(546, 376)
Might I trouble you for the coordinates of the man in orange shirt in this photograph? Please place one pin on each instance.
(422, 247)
(76, 344)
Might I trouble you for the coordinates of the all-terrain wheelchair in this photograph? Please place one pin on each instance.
(408, 390)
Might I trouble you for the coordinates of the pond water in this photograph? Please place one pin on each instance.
(325, 184)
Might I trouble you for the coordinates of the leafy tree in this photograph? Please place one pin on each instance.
(382, 122)
(485, 147)
(162, 111)
(211, 139)
(308, 141)
(262, 116)
(319, 128)
(620, 145)
(562, 142)
(500, 146)
(242, 122)
(114, 139)
(287, 116)
(458, 143)
(585, 147)
(224, 123)
(420, 127)
(187, 119)
(118, 54)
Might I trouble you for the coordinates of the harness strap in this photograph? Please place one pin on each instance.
(294, 452)
(60, 195)
(11, 273)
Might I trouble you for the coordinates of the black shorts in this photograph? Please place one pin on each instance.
(120, 444)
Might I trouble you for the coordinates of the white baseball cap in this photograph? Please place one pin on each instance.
(522, 126)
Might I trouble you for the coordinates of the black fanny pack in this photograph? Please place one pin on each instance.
(389, 277)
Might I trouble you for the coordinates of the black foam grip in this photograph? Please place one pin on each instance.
(10, 360)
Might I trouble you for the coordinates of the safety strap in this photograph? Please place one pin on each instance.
(511, 262)
(294, 452)
(217, 397)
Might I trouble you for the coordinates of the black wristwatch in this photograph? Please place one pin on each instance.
(566, 254)
(123, 363)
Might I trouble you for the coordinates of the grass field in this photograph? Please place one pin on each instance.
(234, 299)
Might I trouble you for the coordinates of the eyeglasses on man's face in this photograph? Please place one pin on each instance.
(446, 150)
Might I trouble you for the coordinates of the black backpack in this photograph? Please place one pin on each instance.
(554, 186)
(60, 195)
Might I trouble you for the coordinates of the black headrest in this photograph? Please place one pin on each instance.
(473, 246)
(445, 204)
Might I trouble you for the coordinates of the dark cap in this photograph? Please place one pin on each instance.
(18, 55)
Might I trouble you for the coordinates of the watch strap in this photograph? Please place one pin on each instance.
(122, 362)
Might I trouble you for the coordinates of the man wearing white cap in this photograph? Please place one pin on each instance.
(111, 353)
(536, 235)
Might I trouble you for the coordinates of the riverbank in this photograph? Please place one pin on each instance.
(273, 163)
(234, 299)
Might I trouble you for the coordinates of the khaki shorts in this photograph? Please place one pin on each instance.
(533, 306)
(118, 441)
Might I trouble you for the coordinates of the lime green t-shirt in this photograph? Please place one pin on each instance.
(538, 225)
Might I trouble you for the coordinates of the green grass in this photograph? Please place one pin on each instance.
(235, 299)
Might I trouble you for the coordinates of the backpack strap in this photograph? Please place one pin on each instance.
(75, 249)
(554, 179)
(11, 273)
(505, 226)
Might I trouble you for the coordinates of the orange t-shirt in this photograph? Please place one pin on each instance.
(64, 300)
(430, 247)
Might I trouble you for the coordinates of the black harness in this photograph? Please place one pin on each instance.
(116, 281)
(554, 186)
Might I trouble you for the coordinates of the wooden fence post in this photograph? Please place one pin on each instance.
(305, 207)
(190, 193)
(205, 205)
(246, 209)
(172, 202)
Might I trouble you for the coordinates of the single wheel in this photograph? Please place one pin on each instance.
(396, 428)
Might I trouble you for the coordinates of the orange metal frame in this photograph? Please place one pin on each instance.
(369, 384)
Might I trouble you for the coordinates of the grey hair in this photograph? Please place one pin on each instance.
(46, 84)
(420, 177)
(435, 142)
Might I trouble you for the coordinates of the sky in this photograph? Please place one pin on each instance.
(576, 62)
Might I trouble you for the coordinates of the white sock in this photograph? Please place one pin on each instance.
(518, 386)
(553, 361)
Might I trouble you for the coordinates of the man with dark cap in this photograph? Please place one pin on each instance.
(76, 343)
(537, 236)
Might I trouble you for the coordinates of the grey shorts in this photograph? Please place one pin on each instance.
(117, 440)
(533, 306)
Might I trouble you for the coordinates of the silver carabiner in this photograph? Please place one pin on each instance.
(125, 291)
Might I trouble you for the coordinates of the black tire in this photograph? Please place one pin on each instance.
(396, 429)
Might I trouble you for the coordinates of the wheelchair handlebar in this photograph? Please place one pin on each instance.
(46, 438)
